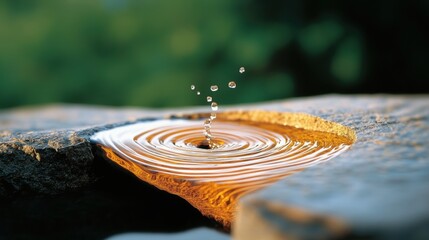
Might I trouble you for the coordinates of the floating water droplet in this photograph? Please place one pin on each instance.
(242, 70)
(207, 122)
(192, 87)
(232, 84)
(198, 93)
(214, 106)
(214, 88)
(209, 99)
(213, 116)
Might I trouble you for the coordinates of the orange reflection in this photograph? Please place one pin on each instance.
(257, 149)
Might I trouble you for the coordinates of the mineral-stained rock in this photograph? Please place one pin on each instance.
(378, 189)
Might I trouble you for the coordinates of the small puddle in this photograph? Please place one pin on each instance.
(251, 150)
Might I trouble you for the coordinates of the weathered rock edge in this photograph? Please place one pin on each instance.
(378, 189)
(46, 150)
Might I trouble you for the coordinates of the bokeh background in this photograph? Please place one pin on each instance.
(148, 52)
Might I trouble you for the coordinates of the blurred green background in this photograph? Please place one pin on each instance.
(148, 52)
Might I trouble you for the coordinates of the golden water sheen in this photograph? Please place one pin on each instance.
(254, 149)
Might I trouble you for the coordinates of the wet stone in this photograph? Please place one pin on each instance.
(377, 189)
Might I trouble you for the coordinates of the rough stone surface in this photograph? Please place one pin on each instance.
(378, 189)
(46, 149)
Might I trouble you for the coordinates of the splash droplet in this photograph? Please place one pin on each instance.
(232, 84)
(214, 88)
(242, 70)
(209, 99)
(208, 134)
(207, 122)
(192, 87)
(198, 93)
(214, 106)
(213, 116)
(207, 127)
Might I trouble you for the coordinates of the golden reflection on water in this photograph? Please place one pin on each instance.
(254, 150)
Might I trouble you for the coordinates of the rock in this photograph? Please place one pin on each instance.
(44, 162)
(49, 179)
(115, 203)
(196, 234)
(378, 189)
(46, 149)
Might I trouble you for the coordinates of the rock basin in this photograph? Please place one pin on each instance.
(377, 189)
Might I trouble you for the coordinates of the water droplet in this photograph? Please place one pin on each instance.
(192, 87)
(213, 116)
(242, 70)
(198, 93)
(209, 99)
(207, 123)
(214, 106)
(232, 84)
(208, 134)
(214, 88)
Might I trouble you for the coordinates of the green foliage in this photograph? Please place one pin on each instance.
(347, 61)
(148, 53)
(319, 36)
(143, 53)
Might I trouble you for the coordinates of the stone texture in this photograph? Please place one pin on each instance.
(378, 189)
(46, 149)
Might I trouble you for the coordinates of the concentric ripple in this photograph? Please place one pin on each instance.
(248, 156)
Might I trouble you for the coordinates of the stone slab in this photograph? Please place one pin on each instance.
(46, 150)
(378, 189)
